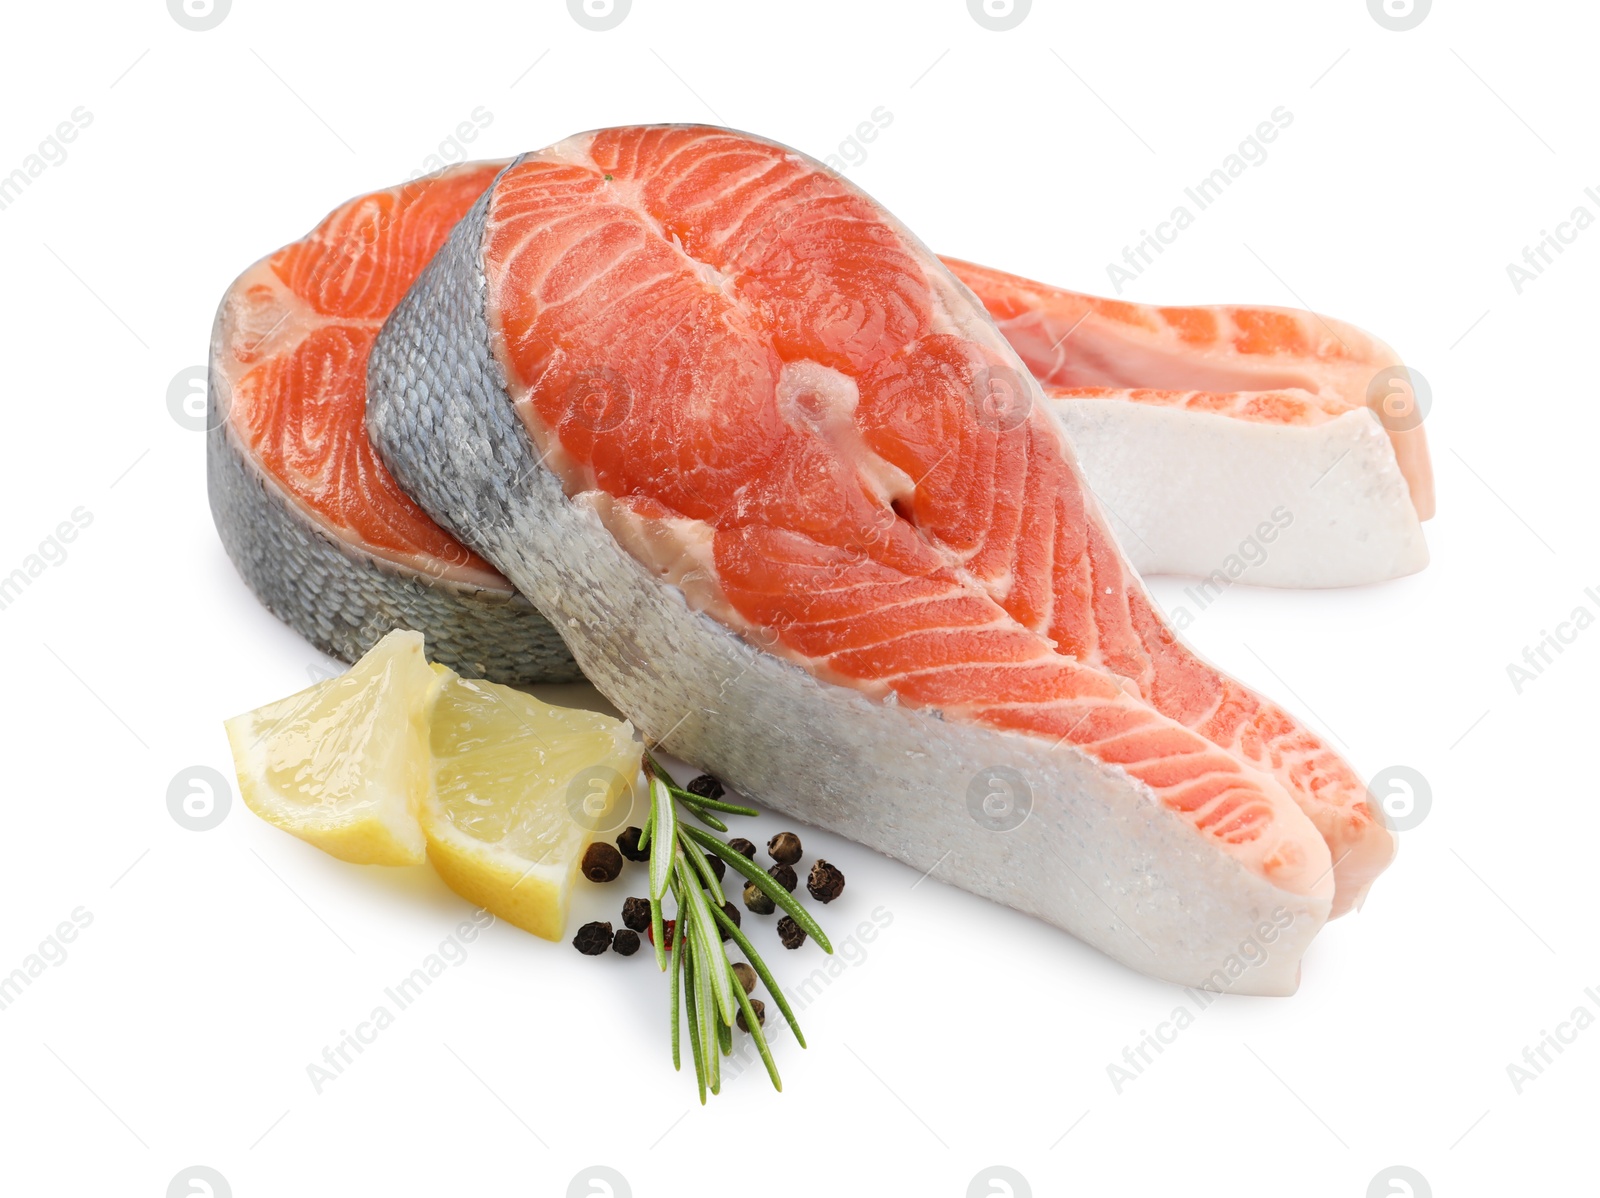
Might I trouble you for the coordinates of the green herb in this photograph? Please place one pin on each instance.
(704, 985)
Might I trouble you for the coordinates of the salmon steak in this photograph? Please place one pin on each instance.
(1199, 427)
(310, 516)
(1193, 480)
(801, 513)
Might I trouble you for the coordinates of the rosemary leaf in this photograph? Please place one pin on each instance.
(756, 1033)
(665, 840)
(690, 799)
(692, 1009)
(658, 936)
(710, 945)
(706, 978)
(762, 972)
(703, 868)
(706, 818)
(677, 977)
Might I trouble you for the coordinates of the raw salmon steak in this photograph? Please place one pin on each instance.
(1285, 440)
(1193, 480)
(312, 519)
(802, 514)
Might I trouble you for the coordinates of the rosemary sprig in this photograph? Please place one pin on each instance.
(703, 985)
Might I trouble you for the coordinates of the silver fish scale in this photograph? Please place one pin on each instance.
(1096, 853)
(343, 600)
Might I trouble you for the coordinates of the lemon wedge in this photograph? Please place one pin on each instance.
(344, 764)
(519, 789)
(397, 762)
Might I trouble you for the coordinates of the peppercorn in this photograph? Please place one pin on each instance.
(746, 976)
(732, 913)
(666, 931)
(758, 900)
(626, 942)
(740, 845)
(760, 1008)
(783, 874)
(636, 913)
(705, 786)
(718, 865)
(826, 882)
(784, 848)
(791, 933)
(593, 938)
(628, 842)
(601, 862)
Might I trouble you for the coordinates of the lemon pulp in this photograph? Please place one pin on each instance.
(343, 764)
(519, 789)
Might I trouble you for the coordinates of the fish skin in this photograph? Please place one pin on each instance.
(1095, 855)
(327, 584)
(343, 600)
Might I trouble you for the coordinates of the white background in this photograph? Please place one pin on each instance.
(219, 964)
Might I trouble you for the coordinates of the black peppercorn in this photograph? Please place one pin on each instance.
(601, 862)
(826, 882)
(746, 976)
(593, 939)
(718, 866)
(784, 848)
(760, 1008)
(732, 913)
(758, 900)
(705, 786)
(636, 913)
(626, 942)
(791, 933)
(783, 874)
(628, 842)
(740, 845)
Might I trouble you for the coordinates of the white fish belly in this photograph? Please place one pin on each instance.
(1194, 493)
